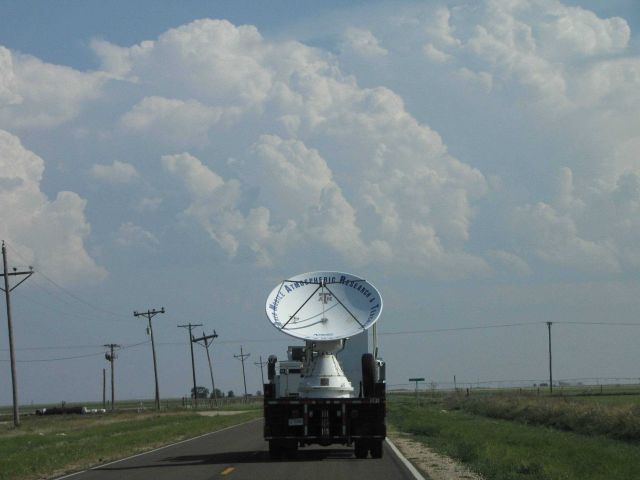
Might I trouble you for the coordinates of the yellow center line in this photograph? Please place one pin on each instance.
(227, 471)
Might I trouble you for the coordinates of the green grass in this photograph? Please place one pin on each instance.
(148, 405)
(616, 420)
(47, 446)
(507, 450)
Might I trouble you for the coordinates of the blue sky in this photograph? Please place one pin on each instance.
(477, 161)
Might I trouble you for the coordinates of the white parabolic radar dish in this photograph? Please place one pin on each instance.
(324, 306)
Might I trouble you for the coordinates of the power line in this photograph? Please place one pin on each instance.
(391, 333)
(86, 355)
(614, 324)
(457, 329)
(56, 359)
(508, 325)
(69, 293)
(60, 347)
(49, 308)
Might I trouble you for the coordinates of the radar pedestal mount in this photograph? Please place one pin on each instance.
(324, 308)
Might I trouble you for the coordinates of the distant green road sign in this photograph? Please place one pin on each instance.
(416, 379)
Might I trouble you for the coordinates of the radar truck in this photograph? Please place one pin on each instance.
(308, 399)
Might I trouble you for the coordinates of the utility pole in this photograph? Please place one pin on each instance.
(149, 314)
(242, 356)
(193, 364)
(421, 379)
(111, 358)
(550, 369)
(104, 388)
(262, 364)
(205, 338)
(7, 290)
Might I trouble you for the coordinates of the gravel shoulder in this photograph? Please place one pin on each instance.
(434, 465)
(221, 413)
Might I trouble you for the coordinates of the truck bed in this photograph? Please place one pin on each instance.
(324, 421)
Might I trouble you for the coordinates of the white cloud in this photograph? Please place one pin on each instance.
(215, 206)
(555, 238)
(439, 28)
(542, 45)
(200, 180)
(130, 234)
(371, 183)
(212, 52)
(39, 94)
(175, 121)
(574, 30)
(148, 204)
(117, 172)
(434, 54)
(594, 229)
(483, 79)
(509, 262)
(8, 94)
(362, 42)
(49, 234)
(374, 172)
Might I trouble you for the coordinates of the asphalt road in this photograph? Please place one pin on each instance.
(241, 453)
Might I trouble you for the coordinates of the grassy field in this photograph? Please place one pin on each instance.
(514, 448)
(619, 420)
(53, 445)
(170, 404)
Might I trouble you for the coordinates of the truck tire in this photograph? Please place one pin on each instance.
(361, 449)
(291, 450)
(376, 449)
(275, 450)
(368, 374)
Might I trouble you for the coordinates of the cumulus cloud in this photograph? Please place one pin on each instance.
(574, 30)
(49, 234)
(509, 262)
(434, 54)
(38, 94)
(174, 121)
(148, 204)
(543, 45)
(440, 29)
(130, 234)
(215, 206)
(376, 186)
(594, 228)
(117, 172)
(562, 66)
(362, 42)
(221, 61)
(555, 239)
(318, 158)
(8, 87)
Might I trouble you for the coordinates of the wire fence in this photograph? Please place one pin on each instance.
(569, 387)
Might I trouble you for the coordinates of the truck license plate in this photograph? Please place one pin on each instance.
(294, 422)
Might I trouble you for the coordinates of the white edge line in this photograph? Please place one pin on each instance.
(155, 449)
(414, 471)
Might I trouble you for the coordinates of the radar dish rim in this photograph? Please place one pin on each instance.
(312, 334)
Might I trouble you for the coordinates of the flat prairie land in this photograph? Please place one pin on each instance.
(53, 445)
(513, 436)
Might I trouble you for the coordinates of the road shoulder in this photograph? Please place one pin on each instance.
(432, 464)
